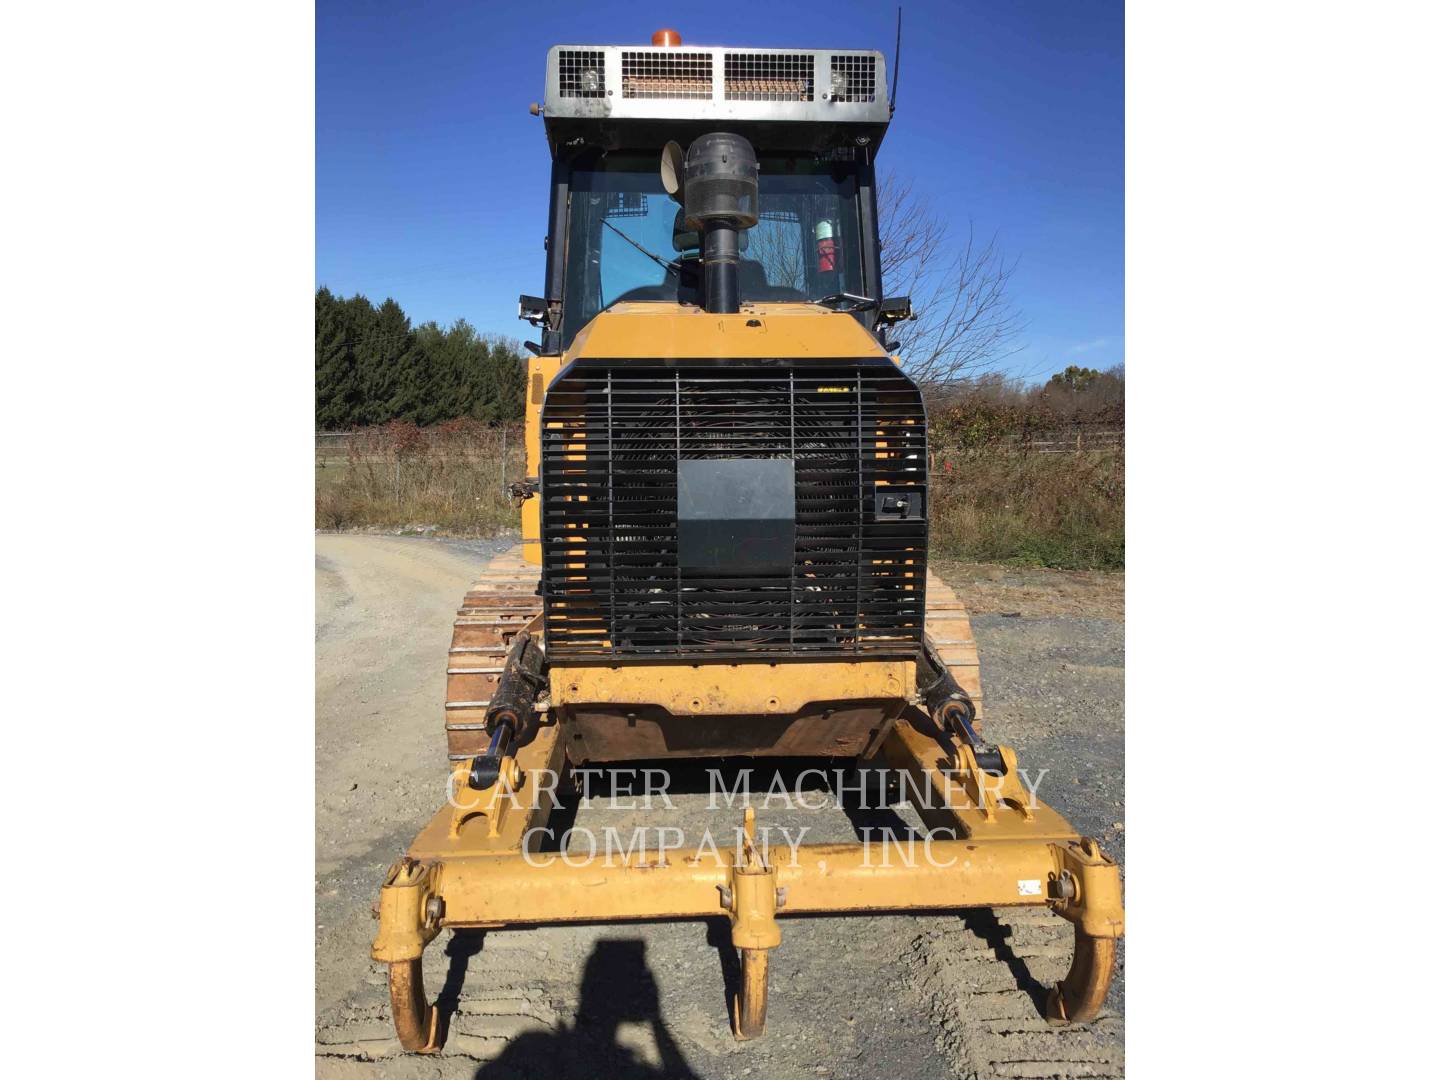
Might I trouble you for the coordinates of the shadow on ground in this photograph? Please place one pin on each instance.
(618, 988)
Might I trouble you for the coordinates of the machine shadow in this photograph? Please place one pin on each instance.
(463, 945)
(983, 924)
(617, 988)
(717, 936)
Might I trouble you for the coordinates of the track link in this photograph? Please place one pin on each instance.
(513, 988)
(496, 608)
(985, 976)
(948, 624)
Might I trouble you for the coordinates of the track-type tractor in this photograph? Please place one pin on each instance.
(724, 532)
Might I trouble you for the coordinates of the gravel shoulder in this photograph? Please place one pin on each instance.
(903, 996)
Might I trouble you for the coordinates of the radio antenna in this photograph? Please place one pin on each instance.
(895, 75)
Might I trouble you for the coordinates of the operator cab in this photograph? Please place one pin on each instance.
(814, 119)
(626, 239)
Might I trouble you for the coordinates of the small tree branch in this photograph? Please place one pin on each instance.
(965, 320)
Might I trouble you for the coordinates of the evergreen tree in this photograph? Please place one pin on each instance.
(439, 401)
(478, 391)
(385, 348)
(371, 366)
(414, 396)
(508, 379)
(338, 325)
(466, 355)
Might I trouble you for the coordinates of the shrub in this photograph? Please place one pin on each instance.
(1039, 509)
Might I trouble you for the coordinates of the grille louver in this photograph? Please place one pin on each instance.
(769, 77)
(666, 73)
(613, 433)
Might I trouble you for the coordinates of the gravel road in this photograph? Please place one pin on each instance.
(893, 996)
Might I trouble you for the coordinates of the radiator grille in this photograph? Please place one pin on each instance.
(582, 73)
(613, 433)
(852, 78)
(666, 73)
(769, 77)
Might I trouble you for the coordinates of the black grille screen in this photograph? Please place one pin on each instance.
(612, 435)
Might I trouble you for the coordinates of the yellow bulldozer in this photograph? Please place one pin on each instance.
(724, 532)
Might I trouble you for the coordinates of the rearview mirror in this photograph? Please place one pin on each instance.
(672, 171)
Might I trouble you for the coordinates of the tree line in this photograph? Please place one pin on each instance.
(372, 366)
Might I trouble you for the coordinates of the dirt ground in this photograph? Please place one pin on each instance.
(891, 996)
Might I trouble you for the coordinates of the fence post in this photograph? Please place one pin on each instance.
(504, 449)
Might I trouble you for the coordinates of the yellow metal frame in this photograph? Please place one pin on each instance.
(540, 373)
(733, 689)
(994, 850)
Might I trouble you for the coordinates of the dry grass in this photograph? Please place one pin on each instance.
(397, 476)
(1030, 509)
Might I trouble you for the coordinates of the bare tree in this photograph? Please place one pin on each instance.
(965, 320)
(777, 244)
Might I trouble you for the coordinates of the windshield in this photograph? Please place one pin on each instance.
(627, 241)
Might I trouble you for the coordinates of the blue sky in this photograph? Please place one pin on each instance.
(431, 174)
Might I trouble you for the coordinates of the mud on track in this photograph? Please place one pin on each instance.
(898, 996)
